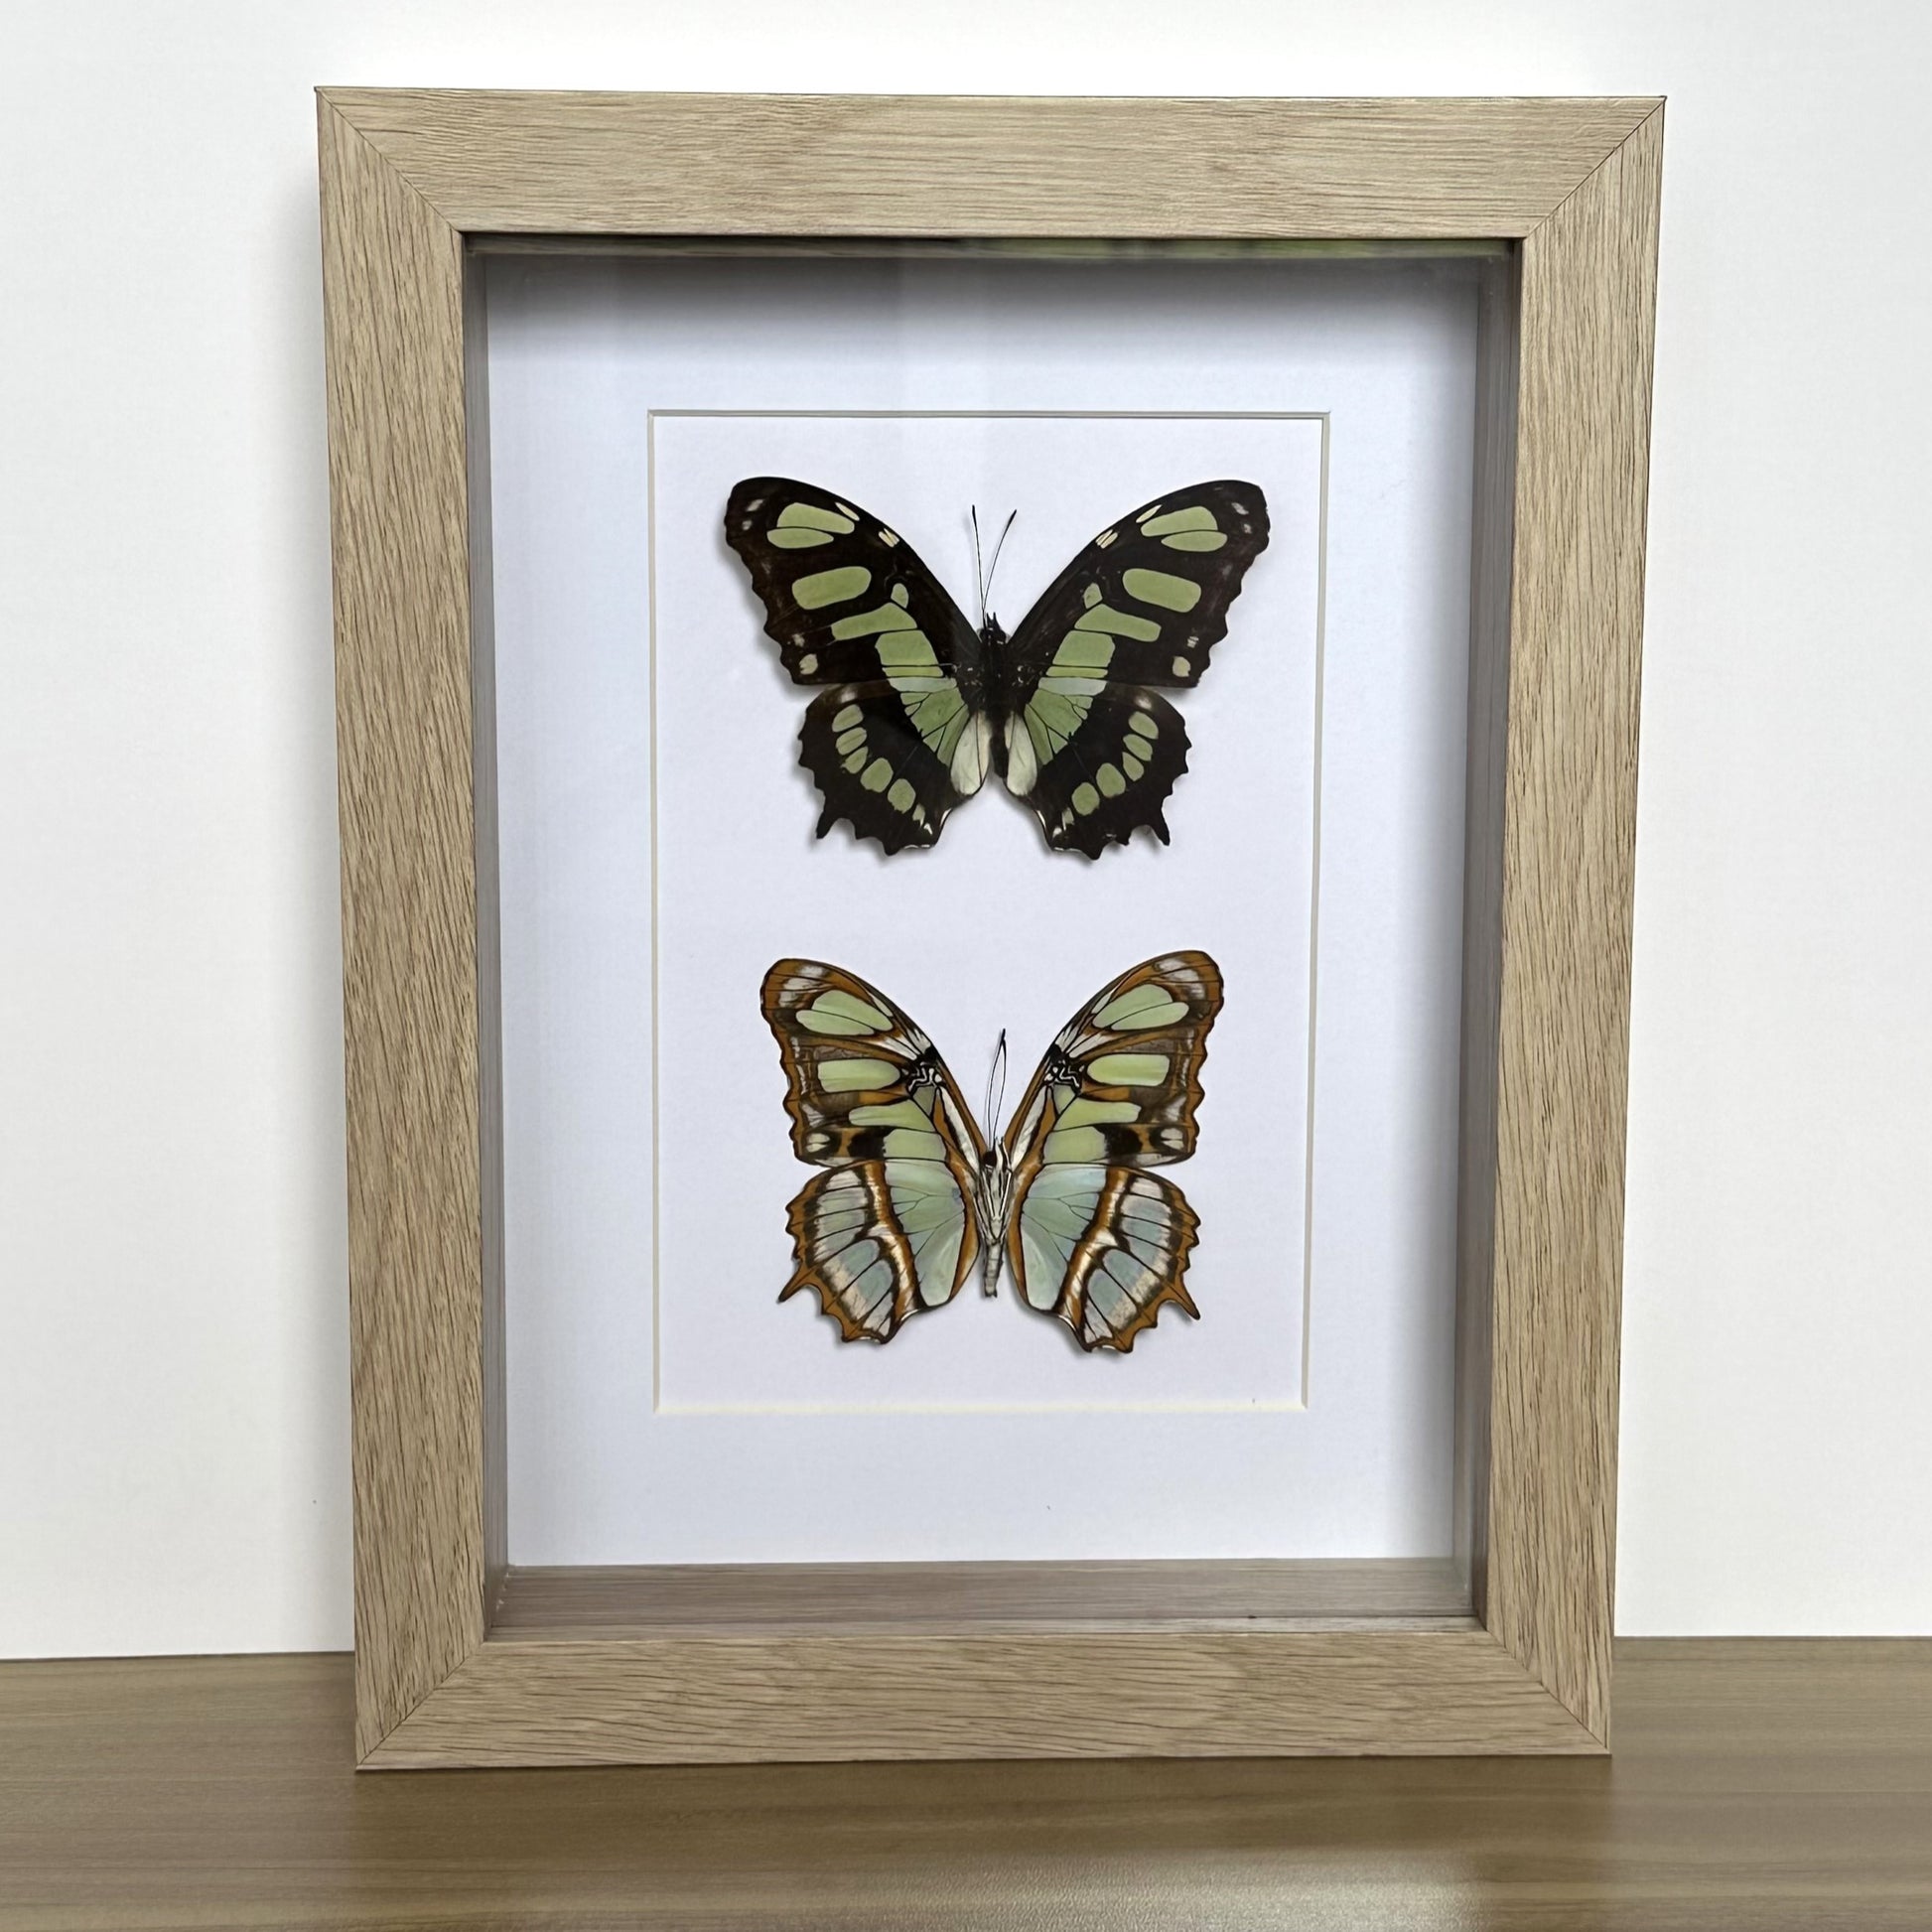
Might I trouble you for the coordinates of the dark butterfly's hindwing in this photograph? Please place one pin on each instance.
(900, 738)
(890, 1232)
(862, 743)
(1090, 745)
(1113, 754)
(1095, 1239)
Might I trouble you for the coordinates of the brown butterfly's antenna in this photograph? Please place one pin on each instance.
(979, 575)
(996, 1088)
(993, 1197)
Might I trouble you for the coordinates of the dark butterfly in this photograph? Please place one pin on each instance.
(919, 705)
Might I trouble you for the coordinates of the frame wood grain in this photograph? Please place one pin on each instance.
(460, 1660)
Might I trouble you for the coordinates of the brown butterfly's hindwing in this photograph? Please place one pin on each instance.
(1103, 1250)
(878, 1249)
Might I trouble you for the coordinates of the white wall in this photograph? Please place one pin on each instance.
(172, 1356)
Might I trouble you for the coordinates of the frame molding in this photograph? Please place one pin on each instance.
(457, 1660)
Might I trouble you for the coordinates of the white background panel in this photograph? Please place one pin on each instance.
(988, 929)
(663, 1407)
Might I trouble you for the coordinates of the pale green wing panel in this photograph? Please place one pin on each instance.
(1102, 1249)
(880, 1242)
(1053, 1219)
(932, 1213)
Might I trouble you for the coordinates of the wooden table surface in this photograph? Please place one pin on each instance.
(1756, 1785)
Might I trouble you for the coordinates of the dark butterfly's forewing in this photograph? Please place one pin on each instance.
(899, 740)
(1092, 749)
(888, 1232)
(1095, 1239)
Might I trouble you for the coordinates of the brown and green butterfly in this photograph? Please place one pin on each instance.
(915, 705)
(915, 1196)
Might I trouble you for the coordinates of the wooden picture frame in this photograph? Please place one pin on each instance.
(463, 1660)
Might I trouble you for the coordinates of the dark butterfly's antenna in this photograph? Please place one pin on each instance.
(983, 575)
(996, 1088)
(986, 591)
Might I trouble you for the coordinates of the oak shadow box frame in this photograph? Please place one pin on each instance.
(461, 1659)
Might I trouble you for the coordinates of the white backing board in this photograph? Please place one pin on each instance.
(988, 929)
(657, 853)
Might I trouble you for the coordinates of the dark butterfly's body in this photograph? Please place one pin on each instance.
(989, 685)
(921, 705)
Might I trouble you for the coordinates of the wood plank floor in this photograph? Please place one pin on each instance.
(1756, 1786)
